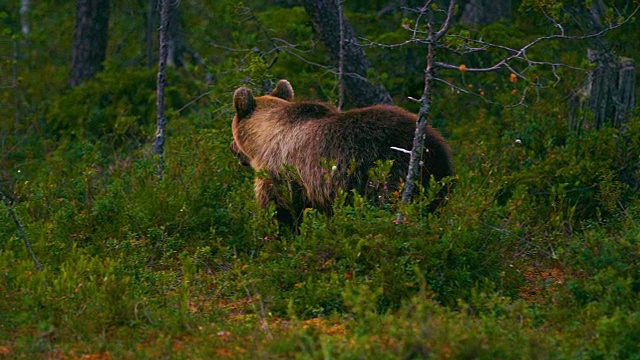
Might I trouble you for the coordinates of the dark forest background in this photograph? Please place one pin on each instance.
(535, 255)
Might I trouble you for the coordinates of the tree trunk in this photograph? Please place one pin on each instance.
(482, 12)
(24, 24)
(422, 124)
(90, 40)
(626, 100)
(609, 96)
(175, 41)
(595, 13)
(421, 129)
(161, 132)
(325, 17)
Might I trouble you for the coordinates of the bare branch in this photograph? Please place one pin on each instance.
(228, 48)
(422, 11)
(369, 43)
(515, 54)
(461, 89)
(484, 44)
(522, 99)
(23, 235)
(288, 45)
(193, 101)
(447, 23)
(554, 22)
(329, 69)
(455, 87)
(505, 63)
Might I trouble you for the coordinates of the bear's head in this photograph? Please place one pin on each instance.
(248, 111)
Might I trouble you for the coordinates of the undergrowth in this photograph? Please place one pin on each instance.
(134, 267)
(534, 255)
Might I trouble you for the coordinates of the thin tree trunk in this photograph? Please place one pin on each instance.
(421, 128)
(325, 16)
(161, 132)
(90, 40)
(416, 161)
(24, 24)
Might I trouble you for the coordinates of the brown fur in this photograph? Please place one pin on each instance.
(288, 142)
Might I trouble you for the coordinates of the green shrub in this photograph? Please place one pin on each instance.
(117, 108)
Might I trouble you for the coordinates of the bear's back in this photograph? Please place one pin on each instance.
(368, 131)
(298, 112)
(313, 131)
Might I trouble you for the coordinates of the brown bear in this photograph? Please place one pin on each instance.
(304, 152)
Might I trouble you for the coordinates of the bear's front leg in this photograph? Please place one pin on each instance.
(268, 191)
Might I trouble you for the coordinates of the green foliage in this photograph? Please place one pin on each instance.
(577, 172)
(537, 246)
(118, 107)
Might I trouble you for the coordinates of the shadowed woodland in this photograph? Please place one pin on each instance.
(129, 230)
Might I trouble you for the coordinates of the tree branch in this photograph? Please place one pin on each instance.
(447, 23)
(516, 54)
(21, 231)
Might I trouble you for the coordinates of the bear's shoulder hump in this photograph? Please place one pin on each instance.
(308, 110)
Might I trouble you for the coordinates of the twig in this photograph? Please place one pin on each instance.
(369, 43)
(484, 98)
(23, 235)
(422, 11)
(228, 48)
(329, 69)
(447, 23)
(263, 313)
(193, 101)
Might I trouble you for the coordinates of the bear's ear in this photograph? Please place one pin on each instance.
(283, 90)
(243, 102)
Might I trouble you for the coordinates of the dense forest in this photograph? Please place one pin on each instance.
(534, 255)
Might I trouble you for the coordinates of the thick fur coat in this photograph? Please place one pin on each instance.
(305, 151)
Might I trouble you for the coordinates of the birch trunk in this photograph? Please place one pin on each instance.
(24, 23)
(161, 132)
(416, 160)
